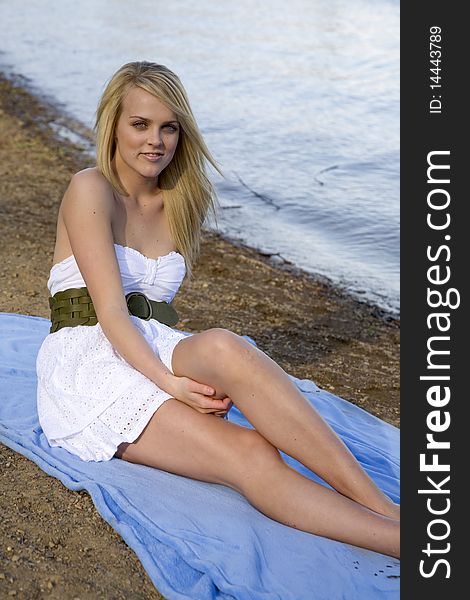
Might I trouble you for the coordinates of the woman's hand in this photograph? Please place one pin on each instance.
(198, 395)
(223, 413)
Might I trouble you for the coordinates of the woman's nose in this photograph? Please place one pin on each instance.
(154, 137)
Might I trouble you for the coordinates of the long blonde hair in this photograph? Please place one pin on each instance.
(188, 194)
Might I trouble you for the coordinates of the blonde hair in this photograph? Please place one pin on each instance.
(188, 193)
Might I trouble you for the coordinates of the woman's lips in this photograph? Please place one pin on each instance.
(152, 156)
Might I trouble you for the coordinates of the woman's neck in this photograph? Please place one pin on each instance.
(138, 187)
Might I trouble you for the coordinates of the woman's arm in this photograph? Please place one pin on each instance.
(87, 209)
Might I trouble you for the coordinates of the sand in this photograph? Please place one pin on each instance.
(53, 543)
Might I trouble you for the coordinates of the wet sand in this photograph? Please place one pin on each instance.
(53, 544)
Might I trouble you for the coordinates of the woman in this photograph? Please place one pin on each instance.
(114, 378)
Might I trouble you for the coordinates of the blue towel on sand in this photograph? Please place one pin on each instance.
(199, 540)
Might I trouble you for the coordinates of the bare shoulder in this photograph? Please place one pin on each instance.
(89, 185)
(88, 200)
(88, 194)
(91, 175)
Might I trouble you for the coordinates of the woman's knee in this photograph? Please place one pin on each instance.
(224, 344)
(221, 339)
(255, 457)
(214, 354)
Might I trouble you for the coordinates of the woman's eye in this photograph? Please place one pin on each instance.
(143, 125)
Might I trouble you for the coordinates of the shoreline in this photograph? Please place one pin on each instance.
(68, 129)
(315, 278)
(53, 540)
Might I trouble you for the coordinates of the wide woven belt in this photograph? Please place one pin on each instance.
(75, 307)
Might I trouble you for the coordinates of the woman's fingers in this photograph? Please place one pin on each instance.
(210, 403)
(206, 404)
(201, 398)
(223, 413)
(204, 390)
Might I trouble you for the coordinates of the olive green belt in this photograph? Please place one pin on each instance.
(74, 307)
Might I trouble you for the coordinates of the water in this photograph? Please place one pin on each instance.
(298, 102)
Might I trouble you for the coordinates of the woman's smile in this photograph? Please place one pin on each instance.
(152, 156)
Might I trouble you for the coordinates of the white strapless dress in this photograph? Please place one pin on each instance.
(89, 398)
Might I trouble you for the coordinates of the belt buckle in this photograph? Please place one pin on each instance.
(147, 302)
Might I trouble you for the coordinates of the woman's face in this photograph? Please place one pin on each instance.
(146, 135)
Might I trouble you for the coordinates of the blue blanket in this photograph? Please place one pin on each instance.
(199, 540)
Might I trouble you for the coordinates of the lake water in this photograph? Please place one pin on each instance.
(298, 102)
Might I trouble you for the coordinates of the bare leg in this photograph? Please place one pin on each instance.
(277, 410)
(181, 440)
(289, 497)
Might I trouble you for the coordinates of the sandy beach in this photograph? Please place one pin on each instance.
(53, 542)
